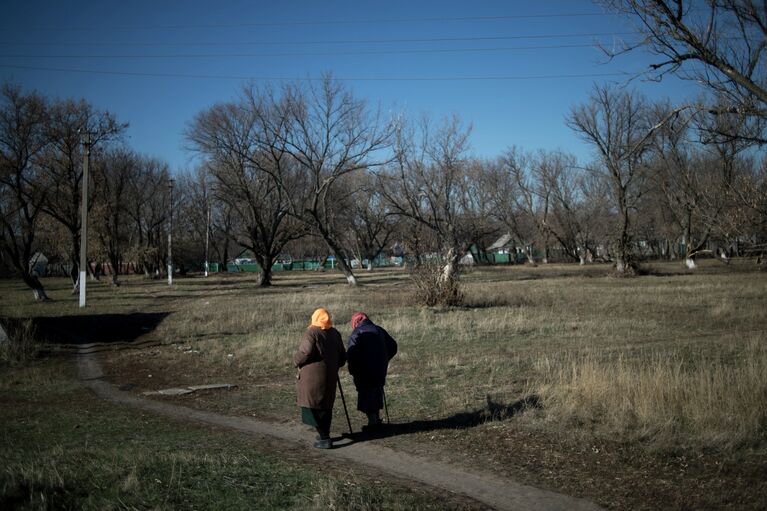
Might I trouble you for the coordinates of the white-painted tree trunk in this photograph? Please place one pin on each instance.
(449, 270)
(690, 263)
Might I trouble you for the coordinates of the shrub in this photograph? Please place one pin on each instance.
(21, 345)
(432, 288)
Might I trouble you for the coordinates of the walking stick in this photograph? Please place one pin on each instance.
(341, 390)
(386, 408)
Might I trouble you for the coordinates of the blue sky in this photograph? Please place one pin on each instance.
(509, 68)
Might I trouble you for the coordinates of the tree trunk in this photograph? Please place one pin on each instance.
(450, 270)
(621, 265)
(689, 256)
(623, 257)
(74, 275)
(95, 271)
(224, 266)
(529, 255)
(36, 286)
(722, 254)
(114, 262)
(323, 260)
(347, 271)
(265, 272)
(341, 260)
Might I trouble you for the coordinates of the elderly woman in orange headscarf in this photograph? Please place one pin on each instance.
(319, 356)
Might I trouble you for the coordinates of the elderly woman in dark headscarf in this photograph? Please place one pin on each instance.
(369, 350)
(320, 353)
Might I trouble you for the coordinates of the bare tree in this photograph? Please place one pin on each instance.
(505, 200)
(328, 133)
(750, 189)
(595, 216)
(222, 226)
(148, 208)
(730, 191)
(22, 192)
(252, 172)
(719, 43)
(432, 183)
(694, 186)
(577, 210)
(206, 223)
(372, 226)
(542, 196)
(114, 171)
(616, 124)
(62, 161)
(415, 241)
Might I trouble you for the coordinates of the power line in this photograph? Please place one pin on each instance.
(326, 22)
(336, 41)
(350, 79)
(305, 54)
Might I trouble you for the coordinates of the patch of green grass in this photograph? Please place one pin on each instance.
(61, 448)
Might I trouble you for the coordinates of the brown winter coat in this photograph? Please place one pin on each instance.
(319, 355)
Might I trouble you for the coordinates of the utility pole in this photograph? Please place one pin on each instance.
(207, 239)
(170, 232)
(84, 220)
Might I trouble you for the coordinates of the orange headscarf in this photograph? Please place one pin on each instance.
(321, 318)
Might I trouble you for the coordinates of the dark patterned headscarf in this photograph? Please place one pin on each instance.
(358, 318)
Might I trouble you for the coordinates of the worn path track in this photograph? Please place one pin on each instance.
(485, 488)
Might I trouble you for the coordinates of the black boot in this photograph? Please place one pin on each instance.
(374, 423)
(323, 440)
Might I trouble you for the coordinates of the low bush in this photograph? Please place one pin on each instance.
(433, 288)
(20, 346)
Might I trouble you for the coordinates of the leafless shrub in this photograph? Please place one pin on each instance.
(21, 345)
(432, 287)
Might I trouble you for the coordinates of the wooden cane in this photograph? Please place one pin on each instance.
(343, 400)
(386, 408)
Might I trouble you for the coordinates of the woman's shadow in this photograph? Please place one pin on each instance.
(493, 411)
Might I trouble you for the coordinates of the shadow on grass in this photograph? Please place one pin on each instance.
(492, 412)
(27, 494)
(104, 329)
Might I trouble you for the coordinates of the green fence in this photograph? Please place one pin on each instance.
(276, 267)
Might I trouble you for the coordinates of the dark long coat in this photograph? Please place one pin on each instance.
(370, 349)
(320, 353)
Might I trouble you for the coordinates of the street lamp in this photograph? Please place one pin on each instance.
(84, 219)
(207, 238)
(170, 232)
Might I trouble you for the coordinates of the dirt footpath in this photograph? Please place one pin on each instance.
(484, 488)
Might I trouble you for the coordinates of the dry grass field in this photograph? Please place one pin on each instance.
(643, 392)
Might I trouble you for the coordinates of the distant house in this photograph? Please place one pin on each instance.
(503, 245)
(502, 251)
